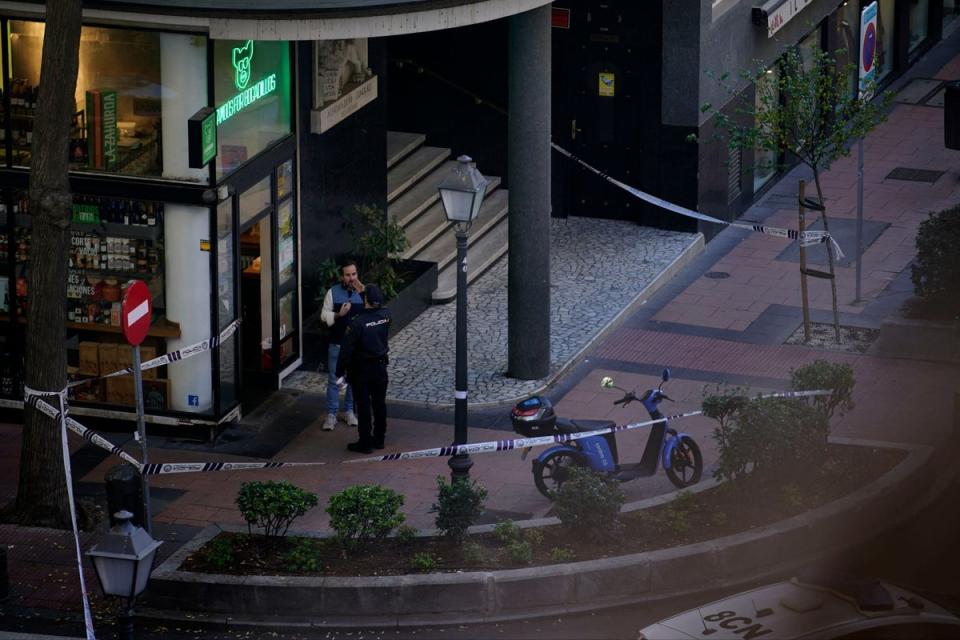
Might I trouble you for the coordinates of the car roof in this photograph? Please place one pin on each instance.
(795, 609)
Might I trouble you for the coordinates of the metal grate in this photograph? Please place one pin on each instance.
(914, 175)
(734, 174)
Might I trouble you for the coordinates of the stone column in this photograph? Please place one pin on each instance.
(528, 171)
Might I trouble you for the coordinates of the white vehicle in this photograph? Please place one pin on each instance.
(819, 609)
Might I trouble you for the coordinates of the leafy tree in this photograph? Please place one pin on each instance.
(41, 491)
(807, 110)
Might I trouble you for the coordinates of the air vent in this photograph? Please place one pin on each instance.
(733, 174)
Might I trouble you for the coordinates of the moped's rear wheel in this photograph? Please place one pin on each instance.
(686, 463)
(554, 471)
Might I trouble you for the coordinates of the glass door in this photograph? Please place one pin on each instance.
(287, 334)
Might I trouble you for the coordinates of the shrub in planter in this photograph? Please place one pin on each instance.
(458, 506)
(363, 514)
(771, 435)
(590, 503)
(304, 557)
(273, 506)
(820, 374)
(936, 271)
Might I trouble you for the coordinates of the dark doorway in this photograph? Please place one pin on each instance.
(606, 106)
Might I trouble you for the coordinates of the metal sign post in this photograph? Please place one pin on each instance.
(136, 312)
(868, 72)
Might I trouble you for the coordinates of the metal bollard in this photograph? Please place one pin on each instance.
(951, 115)
(124, 493)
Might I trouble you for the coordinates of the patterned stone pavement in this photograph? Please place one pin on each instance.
(599, 268)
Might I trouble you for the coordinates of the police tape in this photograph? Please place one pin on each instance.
(174, 356)
(806, 238)
(33, 398)
(491, 446)
(60, 416)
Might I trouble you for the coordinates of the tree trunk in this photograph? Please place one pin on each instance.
(41, 493)
(833, 273)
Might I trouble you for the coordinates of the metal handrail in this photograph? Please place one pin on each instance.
(401, 62)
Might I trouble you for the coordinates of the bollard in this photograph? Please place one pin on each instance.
(951, 115)
(124, 493)
(4, 576)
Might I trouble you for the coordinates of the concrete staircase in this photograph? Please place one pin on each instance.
(413, 173)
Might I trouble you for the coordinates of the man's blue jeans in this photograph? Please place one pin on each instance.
(333, 392)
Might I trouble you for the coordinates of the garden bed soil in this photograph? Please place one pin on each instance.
(727, 509)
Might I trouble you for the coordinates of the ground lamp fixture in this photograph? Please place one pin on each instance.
(462, 193)
(123, 560)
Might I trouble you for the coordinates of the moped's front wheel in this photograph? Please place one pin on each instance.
(550, 474)
(686, 463)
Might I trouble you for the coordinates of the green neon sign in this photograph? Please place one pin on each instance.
(247, 97)
(242, 59)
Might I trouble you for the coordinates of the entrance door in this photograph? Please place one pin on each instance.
(256, 290)
(606, 106)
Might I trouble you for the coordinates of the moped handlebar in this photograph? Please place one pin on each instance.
(626, 399)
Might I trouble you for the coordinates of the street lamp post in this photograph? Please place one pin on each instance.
(123, 560)
(462, 194)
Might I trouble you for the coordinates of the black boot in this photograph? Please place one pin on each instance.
(359, 447)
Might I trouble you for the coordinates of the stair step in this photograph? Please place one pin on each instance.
(420, 196)
(412, 168)
(485, 253)
(400, 144)
(422, 230)
(443, 250)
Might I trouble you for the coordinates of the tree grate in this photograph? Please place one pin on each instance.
(914, 175)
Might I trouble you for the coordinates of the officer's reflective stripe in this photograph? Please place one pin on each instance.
(459, 395)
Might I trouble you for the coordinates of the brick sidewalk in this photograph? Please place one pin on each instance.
(708, 330)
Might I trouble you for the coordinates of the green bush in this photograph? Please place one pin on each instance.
(520, 552)
(507, 531)
(590, 502)
(273, 506)
(678, 512)
(304, 557)
(458, 506)
(377, 238)
(473, 553)
(424, 561)
(821, 374)
(771, 435)
(533, 535)
(936, 270)
(363, 514)
(220, 552)
(406, 534)
(562, 554)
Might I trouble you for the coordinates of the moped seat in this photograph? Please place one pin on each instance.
(566, 425)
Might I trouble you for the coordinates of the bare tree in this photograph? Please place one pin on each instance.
(41, 493)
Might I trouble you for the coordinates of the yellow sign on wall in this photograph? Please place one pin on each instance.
(606, 84)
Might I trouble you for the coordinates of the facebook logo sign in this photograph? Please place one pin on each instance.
(193, 401)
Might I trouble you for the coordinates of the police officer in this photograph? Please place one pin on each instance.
(363, 358)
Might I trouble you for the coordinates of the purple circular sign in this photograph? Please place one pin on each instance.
(869, 46)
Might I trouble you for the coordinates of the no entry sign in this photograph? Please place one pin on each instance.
(136, 311)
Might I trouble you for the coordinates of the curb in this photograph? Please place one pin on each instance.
(512, 594)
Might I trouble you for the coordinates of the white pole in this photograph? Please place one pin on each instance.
(142, 433)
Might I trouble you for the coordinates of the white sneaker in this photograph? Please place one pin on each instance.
(350, 418)
(329, 422)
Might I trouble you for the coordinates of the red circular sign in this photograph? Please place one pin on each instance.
(136, 311)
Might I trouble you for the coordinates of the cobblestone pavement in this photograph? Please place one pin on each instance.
(598, 269)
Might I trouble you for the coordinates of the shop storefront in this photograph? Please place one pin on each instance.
(215, 241)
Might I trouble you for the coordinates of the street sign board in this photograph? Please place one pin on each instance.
(868, 50)
(136, 311)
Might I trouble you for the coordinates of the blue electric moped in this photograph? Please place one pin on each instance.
(676, 451)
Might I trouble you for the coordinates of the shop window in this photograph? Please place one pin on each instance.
(886, 24)
(252, 98)
(765, 160)
(951, 9)
(809, 47)
(847, 52)
(118, 122)
(919, 23)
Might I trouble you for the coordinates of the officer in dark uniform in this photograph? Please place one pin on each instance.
(363, 358)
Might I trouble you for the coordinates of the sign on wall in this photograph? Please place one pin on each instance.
(342, 80)
(202, 137)
(868, 50)
(776, 13)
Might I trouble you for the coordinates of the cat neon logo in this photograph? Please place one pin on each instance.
(242, 57)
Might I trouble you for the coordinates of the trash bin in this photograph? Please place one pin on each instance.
(125, 492)
(951, 115)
